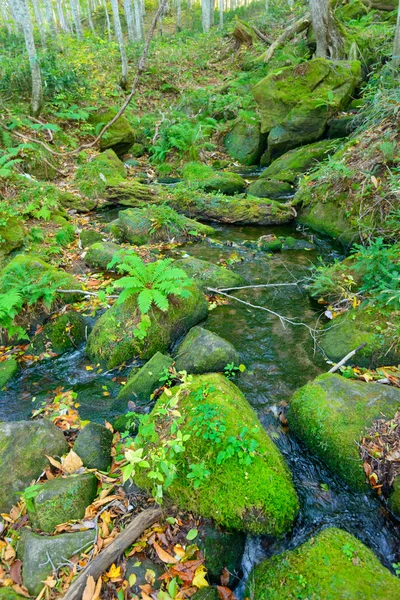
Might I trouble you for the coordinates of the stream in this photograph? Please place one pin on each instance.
(278, 361)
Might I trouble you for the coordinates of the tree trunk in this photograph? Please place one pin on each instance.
(76, 19)
(50, 16)
(24, 17)
(329, 39)
(90, 19)
(212, 7)
(130, 20)
(61, 17)
(221, 14)
(120, 40)
(178, 15)
(138, 20)
(107, 21)
(205, 15)
(39, 20)
(396, 43)
(6, 17)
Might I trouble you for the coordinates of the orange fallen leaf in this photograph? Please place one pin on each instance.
(164, 556)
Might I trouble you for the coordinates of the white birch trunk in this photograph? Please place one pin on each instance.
(37, 11)
(178, 15)
(396, 43)
(76, 19)
(139, 20)
(130, 21)
(89, 13)
(212, 7)
(121, 44)
(24, 17)
(6, 17)
(107, 21)
(48, 6)
(221, 14)
(61, 17)
(205, 15)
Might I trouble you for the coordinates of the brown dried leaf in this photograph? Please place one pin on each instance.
(15, 572)
(164, 556)
(225, 575)
(71, 463)
(54, 462)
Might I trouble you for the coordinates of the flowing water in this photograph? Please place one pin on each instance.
(279, 360)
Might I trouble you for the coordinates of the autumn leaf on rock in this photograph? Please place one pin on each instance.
(71, 463)
(225, 593)
(199, 577)
(164, 556)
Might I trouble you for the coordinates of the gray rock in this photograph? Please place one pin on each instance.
(89, 237)
(204, 352)
(99, 255)
(142, 383)
(141, 566)
(206, 274)
(93, 445)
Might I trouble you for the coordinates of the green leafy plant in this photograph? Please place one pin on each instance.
(231, 370)
(152, 283)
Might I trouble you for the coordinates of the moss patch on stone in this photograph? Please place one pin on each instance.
(203, 351)
(12, 235)
(331, 565)
(8, 369)
(142, 382)
(62, 334)
(99, 255)
(120, 137)
(201, 176)
(258, 497)
(330, 415)
(245, 142)
(93, 446)
(91, 178)
(206, 274)
(271, 188)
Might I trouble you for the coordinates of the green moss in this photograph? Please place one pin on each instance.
(271, 188)
(120, 137)
(394, 499)
(12, 235)
(329, 566)
(331, 414)
(206, 274)
(142, 383)
(203, 351)
(99, 255)
(364, 324)
(112, 339)
(9, 594)
(207, 593)
(270, 243)
(222, 550)
(329, 217)
(200, 176)
(92, 178)
(259, 497)
(244, 142)
(93, 446)
(62, 499)
(64, 333)
(89, 237)
(7, 370)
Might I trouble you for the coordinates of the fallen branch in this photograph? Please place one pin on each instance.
(288, 34)
(110, 554)
(346, 358)
(85, 293)
(261, 285)
(263, 37)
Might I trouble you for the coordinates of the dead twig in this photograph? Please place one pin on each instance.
(288, 34)
(346, 358)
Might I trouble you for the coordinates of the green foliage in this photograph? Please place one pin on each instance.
(231, 370)
(9, 157)
(153, 283)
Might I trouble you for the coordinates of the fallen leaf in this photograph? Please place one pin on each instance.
(225, 593)
(90, 587)
(15, 572)
(199, 577)
(113, 572)
(71, 463)
(164, 556)
(54, 462)
(225, 575)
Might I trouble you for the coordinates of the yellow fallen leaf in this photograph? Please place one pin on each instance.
(54, 462)
(92, 590)
(164, 556)
(50, 581)
(199, 580)
(71, 463)
(114, 571)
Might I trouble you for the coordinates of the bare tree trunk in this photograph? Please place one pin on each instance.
(221, 14)
(61, 17)
(329, 39)
(76, 19)
(107, 21)
(120, 40)
(130, 21)
(39, 20)
(212, 7)
(50, 16)
(396, 43)
(178, 15)
(24, 17)
(6, 17)
(205, 15)
(90, 19)
(138, 20)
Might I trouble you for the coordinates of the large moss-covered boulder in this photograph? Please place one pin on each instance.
(296, 103)
(23, 449)
(112, 340)
(156, 224)
(8, 369)
(93, 446)
(142, 383)
(257, 497)
(12, 235)
(331, 414)
(66, 332)
(203, 351)
(92, 177)
(57, 550)
(120, 137)
(206, 274)
(200, 176)
(239, 210)
(365, 324)
(332, 565)
(131, 193)
(271, 188)
(245, 142)
(100, 254)
(62, 499)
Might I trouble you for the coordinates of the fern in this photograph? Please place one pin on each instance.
(152, 283)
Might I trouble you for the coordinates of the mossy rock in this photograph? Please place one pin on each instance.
(245, 142)
(364, 324)
(60, 548)
(62, 499)
(112, 340)
(23, 449)
(296, 103)
(89, 237)
(200, 176)
(120, 137)
(9, 594)
(8, 369)
(100, 254)
(93, 446)
(60, 335)
(341, 127)
(290, 166)
(142, 382)
(141, 567)
(329, 566)
(132, 193)
(222, 549)
(206, 274)
(394, 498)
(156, 224)
(238, 210)
(271, 188)
(12, 235)
(92, 177)
(270, 243)
(332, 413)
(327, 217)
(259, 497)
(203, 351)
(347, 11)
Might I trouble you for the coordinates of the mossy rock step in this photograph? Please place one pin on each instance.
(93, 446)
(364, 324)
(271, 188)
(142, 382)
(62, 499)
(203, 351)
(200, 176)
(258, 497)
(238, 210)
(89, 237)
(206, 274)
(245, 142)
(92, 177)
(60, 335)
(327, 217)
(330, 566)
(332, 413)
(112, 340)
(156, 224)
(100, 254)
(297, 102)
(120, 137)
(23, 449)
(12, 235)
(8, 369)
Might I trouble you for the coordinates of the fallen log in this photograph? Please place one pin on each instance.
(110, 554)
(288, 34)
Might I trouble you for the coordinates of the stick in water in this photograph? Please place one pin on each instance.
(346, 358)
